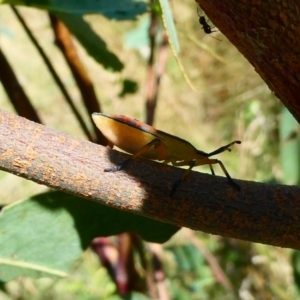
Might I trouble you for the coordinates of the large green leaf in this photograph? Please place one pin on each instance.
(289, 148)
(172, 36)
(44, 235)
(296, 267)
(138, 37)
(169, 25)
(120, 10)
(92, 42)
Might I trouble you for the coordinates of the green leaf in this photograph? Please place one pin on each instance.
(44, 235)
(120, 10)
(129, 87)
(296, 267)
(138, 37)
(289, 148)
(132, 296)
(173, 39)
(169, 25)
(91, 41)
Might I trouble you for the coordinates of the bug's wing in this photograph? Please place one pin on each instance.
(129, 134)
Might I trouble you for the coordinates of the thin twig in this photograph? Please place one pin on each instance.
(159, 273)
(151, 74)
(15, 91)
(155, 75)
(63, 40)
(53, 73)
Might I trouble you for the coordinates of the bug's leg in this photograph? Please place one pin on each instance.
(110, 144)
(212, 170)
(223, 148)
(204, 161)
(154, 143)
(184, 174)
(227, 175)
(208, 161)
(117, 167)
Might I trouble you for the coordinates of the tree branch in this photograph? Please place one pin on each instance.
(64, 42)
(259, 212)
(267, 34)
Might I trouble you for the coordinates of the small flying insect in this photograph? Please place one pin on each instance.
(142, 140)
(205, 26)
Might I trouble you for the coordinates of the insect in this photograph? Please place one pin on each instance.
(142, 140)
(205, 26)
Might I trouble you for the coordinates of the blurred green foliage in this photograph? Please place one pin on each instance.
(68, 224)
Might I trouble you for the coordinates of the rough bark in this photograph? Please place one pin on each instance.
(258, 212)
(267, 34)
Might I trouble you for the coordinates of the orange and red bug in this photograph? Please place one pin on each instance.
(142, 140)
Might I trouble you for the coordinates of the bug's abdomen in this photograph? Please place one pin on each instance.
(124, 135)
